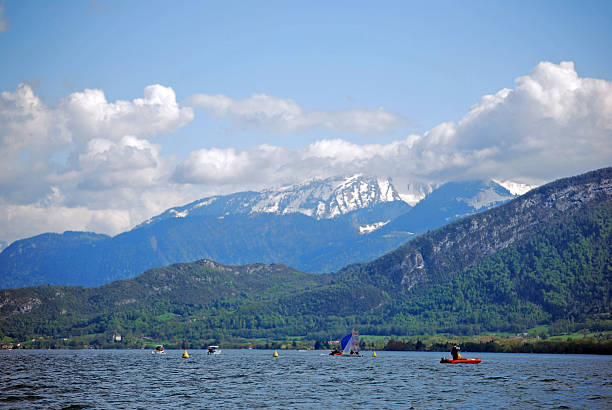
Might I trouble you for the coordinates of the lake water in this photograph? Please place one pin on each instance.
(253, 378)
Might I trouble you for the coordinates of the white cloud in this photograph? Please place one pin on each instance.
(553, 123)
(20, 221)
(102, 212)
(285, 115)
(213, 166)
(90, 115)
(78, 164)
(30, 133)
(108, 164)
(28, 123)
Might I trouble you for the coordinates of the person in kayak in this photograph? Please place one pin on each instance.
(455, 352)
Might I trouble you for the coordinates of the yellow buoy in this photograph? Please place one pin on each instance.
(373, 354)
(275, 353)
(185, 355)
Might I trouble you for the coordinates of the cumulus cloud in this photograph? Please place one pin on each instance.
(90, 115)
(108, 164)
(28, 123)
(553, 123)
(104, 141)
(30, 134)
(212, 166)
(402, 160)
(86, 161)
(285, 115)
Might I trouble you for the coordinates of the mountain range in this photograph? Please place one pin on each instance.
(542, 259)
(317, 226)
(321, 199)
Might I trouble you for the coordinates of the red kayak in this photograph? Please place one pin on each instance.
(445, 360)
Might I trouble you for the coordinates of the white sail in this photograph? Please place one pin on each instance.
(350, 344)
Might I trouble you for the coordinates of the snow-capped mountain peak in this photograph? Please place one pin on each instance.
(326, 198)
(317, 198)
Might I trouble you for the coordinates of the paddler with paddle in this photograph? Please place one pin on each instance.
(455, 352)
(457, 357)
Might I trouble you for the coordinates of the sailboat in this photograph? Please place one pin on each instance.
(349, 345)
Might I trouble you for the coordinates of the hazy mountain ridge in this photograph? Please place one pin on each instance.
(231, 230)
(447, 203)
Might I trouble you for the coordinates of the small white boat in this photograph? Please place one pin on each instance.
(159, 349)
(214, 350)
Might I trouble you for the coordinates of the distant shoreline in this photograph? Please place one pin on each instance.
(493, 345)
(302, 350)
(576, 346)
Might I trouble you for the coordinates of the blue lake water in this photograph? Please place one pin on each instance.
(253, 378)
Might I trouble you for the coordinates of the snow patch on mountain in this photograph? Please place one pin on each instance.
(205, 202)
(369, 228)
(415, 192)
(181, 214)
(516, 188)
(491, 194)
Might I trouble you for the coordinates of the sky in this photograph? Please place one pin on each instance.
(113, 111)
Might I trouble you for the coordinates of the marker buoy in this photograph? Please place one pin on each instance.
(275, 353)
(373, 354)
(185, 355)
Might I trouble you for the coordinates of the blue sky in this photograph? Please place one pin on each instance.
(428, 61)
(322, 71)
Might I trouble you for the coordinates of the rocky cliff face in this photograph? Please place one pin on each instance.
(460, 245)
(11, 305)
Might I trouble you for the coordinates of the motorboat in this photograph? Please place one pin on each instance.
(214, 350)
(159, 349)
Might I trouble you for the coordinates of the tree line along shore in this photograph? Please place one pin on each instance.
(600, 343)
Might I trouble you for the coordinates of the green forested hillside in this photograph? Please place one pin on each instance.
(559, 275)
(161, 303)
(544, 259)
(563, 273)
